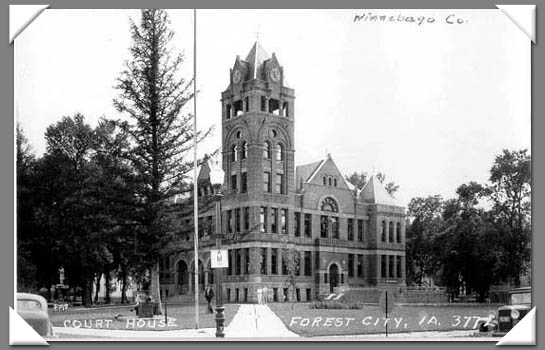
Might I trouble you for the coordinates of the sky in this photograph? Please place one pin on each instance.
(429, 104)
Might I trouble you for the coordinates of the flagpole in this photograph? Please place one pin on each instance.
(195, 204)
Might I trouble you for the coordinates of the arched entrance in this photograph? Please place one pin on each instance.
(333, 277)
(182, 277)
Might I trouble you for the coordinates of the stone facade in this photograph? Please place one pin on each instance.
(272, 210)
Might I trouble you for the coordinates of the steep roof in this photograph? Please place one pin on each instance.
(305, 171)
(374, 192)
(255, 59)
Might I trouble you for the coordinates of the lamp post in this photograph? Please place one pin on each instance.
(216, 178)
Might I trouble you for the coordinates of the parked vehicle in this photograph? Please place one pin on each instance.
(520, 303)
(33, 309)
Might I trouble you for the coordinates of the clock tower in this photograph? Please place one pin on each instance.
(258, 138)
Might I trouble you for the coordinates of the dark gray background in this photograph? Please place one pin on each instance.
(6, 170)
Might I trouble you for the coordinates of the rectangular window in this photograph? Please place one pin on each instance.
(308, 264)
(244, 182)
(246, 218)
(274, 261)
(360, 266)
(263, 219)
(383, 264)
(238, 265)
(398, 263)
(280, 183)
(267, 182)
(284, 261)
(350, 230)
(274, 220)
(247, 103)
(233, 183)
(229, 221)
(383, 231)
(237, 220)
(360, 230)
(263, 103)
(263, 266)
(297, 224)
(324, 226)
(246, 266)
(335, 227)
(350, 265)
(308, 225)
(284, 221)
(391, 266)
(230, 256)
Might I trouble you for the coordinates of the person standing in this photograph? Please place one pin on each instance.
(209, 295)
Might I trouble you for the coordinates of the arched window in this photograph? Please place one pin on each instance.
(266, 150)
(391, 232)
(244, 150)
(329, 180)
(335, 182)
(279, 152)
(398, 232)
(383, 231)
(329, 204)
(234, 153)
(324, 180)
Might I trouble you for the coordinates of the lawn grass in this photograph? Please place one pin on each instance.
(179, 317)
(303, 320)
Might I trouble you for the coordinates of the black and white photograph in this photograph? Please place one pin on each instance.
(279, 175)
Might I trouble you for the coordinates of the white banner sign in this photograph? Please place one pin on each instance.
(218, 258)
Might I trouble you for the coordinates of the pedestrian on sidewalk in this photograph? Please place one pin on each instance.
(260, 296)
(209, 295)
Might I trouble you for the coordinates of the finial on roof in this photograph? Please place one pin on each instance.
(329, 156)
(257, 35)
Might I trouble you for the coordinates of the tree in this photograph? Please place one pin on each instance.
(469, 243)
(26, 228)
(152, 94)
(510, 194)
(422, 255)
(357, 179)
(360, 179)
(291, 264)
(390, 187)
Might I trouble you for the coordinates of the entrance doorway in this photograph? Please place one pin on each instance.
(333, 277)
(182, 277)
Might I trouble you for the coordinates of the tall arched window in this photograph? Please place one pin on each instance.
(244, 150)
(398, 232)
(279, 152)
(266, 150)
(329, 204)
(234, 153)
(391, 232)
(324, 180)
(383, 231)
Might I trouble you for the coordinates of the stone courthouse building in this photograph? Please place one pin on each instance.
(345, 237)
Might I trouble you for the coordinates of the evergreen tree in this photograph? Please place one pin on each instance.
(153, 95)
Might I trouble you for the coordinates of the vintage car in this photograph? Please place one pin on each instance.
(520, 303)
(33, 309)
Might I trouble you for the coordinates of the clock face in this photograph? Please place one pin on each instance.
(275, 74)
(237, 76)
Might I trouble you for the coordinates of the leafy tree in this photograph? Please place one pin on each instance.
(510, 194)
(421, 247)
(26, 228)
(357, 179)
(360, 179)
(153, 95)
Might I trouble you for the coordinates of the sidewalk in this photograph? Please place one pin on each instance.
(257, 321)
